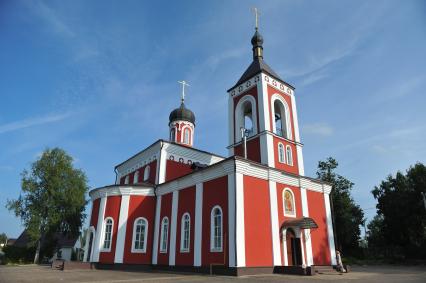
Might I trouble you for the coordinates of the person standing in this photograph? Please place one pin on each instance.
(339, 266)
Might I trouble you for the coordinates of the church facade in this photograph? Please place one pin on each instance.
(176, 207)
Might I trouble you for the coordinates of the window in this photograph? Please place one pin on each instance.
(186, 136)
(288, 203)
(281, 153)
(164, 235)
(173, 135)
(140, 232)
(146, 173)
(108, 234)
(216, 230)
(281, 125)
(126, 180)
(289, 155)
(136, 177)
(245, 117)
(185, 228)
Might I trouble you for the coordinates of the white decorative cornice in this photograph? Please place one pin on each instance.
(121, 191)
(139, 160)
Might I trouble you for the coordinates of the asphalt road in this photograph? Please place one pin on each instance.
(34, 273)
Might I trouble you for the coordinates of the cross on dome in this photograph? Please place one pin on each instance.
(183, 83)
(256, 14)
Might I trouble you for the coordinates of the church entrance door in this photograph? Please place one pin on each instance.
(294, 249)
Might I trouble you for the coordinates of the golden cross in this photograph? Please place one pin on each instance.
(256, 14)
(183, 83)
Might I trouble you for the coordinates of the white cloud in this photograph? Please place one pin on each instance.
(22, 124)
(319, 129)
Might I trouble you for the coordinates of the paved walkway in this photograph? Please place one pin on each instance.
(34, 273)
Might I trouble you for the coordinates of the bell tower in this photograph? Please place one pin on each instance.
(262, 116)
(182, 122)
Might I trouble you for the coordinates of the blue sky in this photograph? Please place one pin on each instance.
(99, 79)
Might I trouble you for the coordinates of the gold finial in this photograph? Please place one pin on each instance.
(256, 14)
(183, 83)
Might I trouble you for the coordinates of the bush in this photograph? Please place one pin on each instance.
(14, 254)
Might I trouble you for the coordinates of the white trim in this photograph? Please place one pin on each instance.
(281, 153)
(278, 97)
(330, 229)
(275, 229)
(121, 231)
(295, 118)
(270, 150)
(294, 203)
(164, 250)
(300, 164)
(142, 158)
(182, 234)
(231, 138)
(99, 228)
(239, 116)
(145, 242)
(198, 229)
(136, 177)
(126, 180)
(231, 219)
(191, 136)
(284, 237)
(91, 231)
(173, 227)
(262, 98)
(118, 190)
(239, 212)
(146, 173)
(86, 245)
(212, 230)
(162, 166)
(103, 249)
(156, 230)
(307, 232)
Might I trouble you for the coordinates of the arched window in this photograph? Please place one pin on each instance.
(136, 177)
(173, 135)
(146, 173)
(109, 223)
(281, 154)
(186, 136)
(289, 155)
(288, 203)
(164, 235)
(126, 180)
(140, 234)
(281, 125)
(185, 235)
(245, 117)
(216, 233)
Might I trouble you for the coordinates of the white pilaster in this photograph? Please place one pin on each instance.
(231, 219)
(86, 245)
(156, 230)
(173, 227)
(99, 228)
(162, 166)
(307, 232)
(121, 232)
(231, 138)
(263, 98)
(300, 163)
(198, 229)
(240, 230)
(284, 235)
(275, 229)
(270, 150)
(330, 229)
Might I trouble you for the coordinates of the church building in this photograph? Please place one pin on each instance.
(176, 207)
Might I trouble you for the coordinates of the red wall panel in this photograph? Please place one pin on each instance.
(319, 236)
(253, 150)
(186, 204)
(166, 210)
(257, 222)
(112, 210)
(176, 169)
(284, 166)
(139, 206)
(95, 213)
(215, 192)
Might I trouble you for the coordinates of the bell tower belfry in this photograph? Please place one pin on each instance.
(262, 107)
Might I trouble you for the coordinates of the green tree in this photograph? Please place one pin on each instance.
(52, 199)
(399, 229)
(3, 239)
(347, 215)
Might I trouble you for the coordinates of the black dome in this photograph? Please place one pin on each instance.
(257, 39)
(182, 113)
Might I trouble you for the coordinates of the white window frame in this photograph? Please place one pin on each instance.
(281, 153)
(163, 251)
(103, 249)
(146, 173)
(289, 157)
(294, 203)
(143, 249)
(182, 233)
(184, 131)
(212, 230)
(126, 180)
(287, 115)
(173, 134)
(136, 177)
(239, 116)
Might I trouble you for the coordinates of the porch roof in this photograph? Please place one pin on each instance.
(301, 222)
